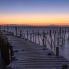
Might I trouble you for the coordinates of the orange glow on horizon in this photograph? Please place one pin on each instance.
(35, 19)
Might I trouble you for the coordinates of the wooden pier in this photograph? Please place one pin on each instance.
(32, 55)
(29, 55)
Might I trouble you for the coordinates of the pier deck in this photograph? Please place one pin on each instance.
(32, 56)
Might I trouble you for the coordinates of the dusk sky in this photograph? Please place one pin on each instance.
(34, 12)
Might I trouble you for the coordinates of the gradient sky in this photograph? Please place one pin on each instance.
(34, 12)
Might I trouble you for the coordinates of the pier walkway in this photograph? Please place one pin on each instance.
(29, 55)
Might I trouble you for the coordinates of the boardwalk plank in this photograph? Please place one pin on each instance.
(31, 56)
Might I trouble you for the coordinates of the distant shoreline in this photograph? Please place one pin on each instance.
(39, 26)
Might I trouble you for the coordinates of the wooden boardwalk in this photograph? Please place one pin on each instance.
(32, 56)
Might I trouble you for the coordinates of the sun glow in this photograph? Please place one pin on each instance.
(35, 19)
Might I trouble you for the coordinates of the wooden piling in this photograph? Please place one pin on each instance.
(54, 40)
(38, 37)
(30, 36)
(20, 33)
(23, 35)
(64, 66)
(35, 37)
(27, 34)
(57, 51)
(44, 46)
(57, 48)
(16, 30)
(50, 33)
(7, 28)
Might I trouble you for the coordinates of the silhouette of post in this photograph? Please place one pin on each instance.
(5, 47)
(60, 31)
(4, 28)
(50, 33)
(64, 36)
(33, 35)
(0, 27)
(30, 36)
(57, 51)
(38, 37)
(54, 39)
(7, 28)
(16, 30)
(27, 34)
(23, 35)
(44, 46)
(20, 33)
(64, 67)
(58, 42)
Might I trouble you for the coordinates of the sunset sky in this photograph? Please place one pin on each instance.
(34, 12)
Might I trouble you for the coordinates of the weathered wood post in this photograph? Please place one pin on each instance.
(54, 40)
(33, 35)
(27, 34)
(16, 30)
(7, 28)
(20, 33)
(58, 42)
(38, 37)
(4, 28)
(0, 27)
(50, 33)
(30, 36)
(65, 66)
(23, 35)
(57, 47)
(63, 37)
(44, 46)
(12, 31)
(57, 51)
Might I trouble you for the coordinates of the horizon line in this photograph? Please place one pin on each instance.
(34, 25)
